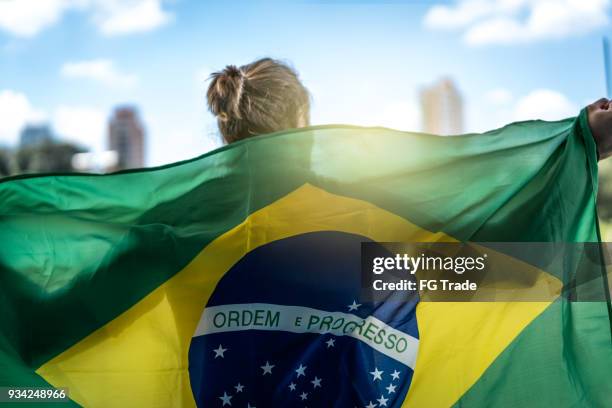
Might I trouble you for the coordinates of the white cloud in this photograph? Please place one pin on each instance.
(464, 13)
(544, 104)
(102, 70)
(519, 21)
(115, 17)
(26, 18)
(15, 111)
(395, 115)
(85, 126)
(499, 96)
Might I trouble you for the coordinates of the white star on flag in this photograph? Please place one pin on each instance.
(330, 343)
(267, 369)
(395, 374)
(316, 382)
(239, 387)
(382, 401)
(301, 370)
(304, 396)
(292, 386)
(226, 399)
(219, 351)
(371, 405)
(354, 306)
(391, 388)
(376, 374)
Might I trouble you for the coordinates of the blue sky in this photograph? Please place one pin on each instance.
(69, 62)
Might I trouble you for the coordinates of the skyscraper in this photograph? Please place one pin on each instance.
(126, 137)
(442, 108)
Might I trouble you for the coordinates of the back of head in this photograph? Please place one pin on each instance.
(262, 97)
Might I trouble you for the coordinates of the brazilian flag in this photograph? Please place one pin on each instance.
(233, 280)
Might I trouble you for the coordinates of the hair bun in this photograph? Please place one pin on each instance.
(264, 96)
(232, 71)
(225, 92)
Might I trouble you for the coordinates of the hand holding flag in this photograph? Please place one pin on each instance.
(600, 121)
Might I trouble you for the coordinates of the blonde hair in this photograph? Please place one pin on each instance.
(262, 97)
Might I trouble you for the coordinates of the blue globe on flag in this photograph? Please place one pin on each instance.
(286, 327)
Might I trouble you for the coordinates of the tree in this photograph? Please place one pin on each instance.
(5, 162)
(46, 157)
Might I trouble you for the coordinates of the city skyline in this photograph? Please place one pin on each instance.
(364, 62)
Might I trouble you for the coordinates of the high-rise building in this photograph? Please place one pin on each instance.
(442, 108)
(35, 134)
(126, 137)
